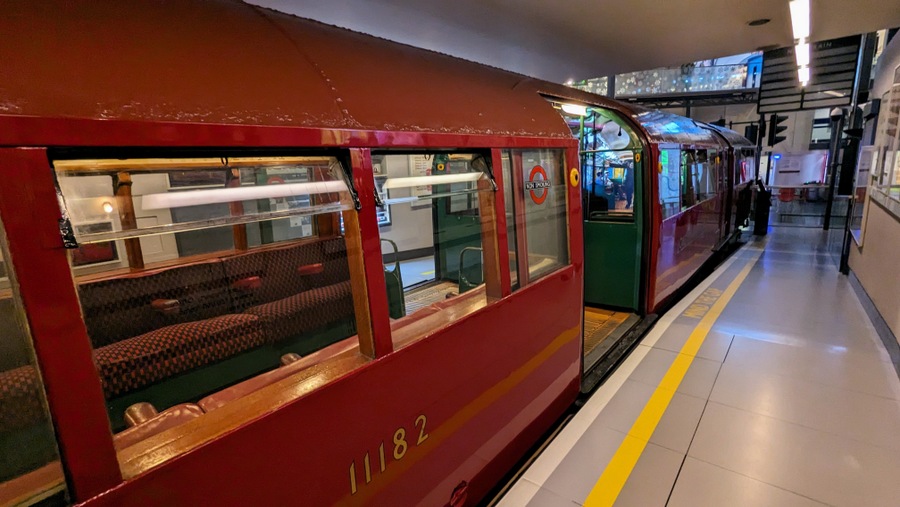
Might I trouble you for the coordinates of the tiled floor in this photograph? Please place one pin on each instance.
(790, 400)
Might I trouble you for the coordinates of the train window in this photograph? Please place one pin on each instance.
(669, 182)
(544, 187)
(697, 183)
(745, 166)
(706, 173)
(210, 271)
(608, 146)
(509, 203)
(440, 248)
(30, 470)
(608, 185)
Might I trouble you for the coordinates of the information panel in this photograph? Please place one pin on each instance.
(833, 66)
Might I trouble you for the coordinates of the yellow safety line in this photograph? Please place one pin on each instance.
(617, 471)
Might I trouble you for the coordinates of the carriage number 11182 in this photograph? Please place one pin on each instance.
(398, 447)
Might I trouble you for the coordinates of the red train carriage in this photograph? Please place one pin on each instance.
(660, 195)
(199, 201)
(253, 259)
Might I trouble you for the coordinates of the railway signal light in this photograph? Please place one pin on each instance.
(776, 128)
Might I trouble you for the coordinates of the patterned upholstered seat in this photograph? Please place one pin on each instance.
(118, 308)
(20, 398)
(301, 288)
(137, 362)
(304, 312)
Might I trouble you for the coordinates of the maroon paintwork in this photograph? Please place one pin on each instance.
(226, 74)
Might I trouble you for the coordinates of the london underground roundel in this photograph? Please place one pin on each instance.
(538, 185)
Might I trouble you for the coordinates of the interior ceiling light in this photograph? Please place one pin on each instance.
(801, 51)
(803, 75)
(800, 24)
(759, 22)
(574, 109)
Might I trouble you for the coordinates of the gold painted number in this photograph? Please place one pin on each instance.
(400, 444)
(422, 435)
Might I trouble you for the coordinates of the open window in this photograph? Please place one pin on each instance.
(195, 274)
(440, 249)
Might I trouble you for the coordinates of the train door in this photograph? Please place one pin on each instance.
(612, 166)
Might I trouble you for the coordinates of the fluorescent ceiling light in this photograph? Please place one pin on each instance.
(576, 109)
(803, 75)
(168, 200)
(434, 179)
(801, 51)
(800, 18)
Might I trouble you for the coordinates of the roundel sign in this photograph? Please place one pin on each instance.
(538, 185)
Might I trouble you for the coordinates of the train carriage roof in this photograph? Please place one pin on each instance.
(658, 126)
(226, 62)
(734, 139)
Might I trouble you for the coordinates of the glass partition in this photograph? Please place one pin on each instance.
(542, 173)
(203, 279)
(30, 470)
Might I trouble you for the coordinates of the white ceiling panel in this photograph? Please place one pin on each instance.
(559, 40)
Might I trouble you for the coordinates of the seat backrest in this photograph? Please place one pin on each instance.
(119, 308)
(264, 276)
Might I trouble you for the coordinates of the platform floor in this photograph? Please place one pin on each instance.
(766, 386)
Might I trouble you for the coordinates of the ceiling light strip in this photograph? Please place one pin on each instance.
(800, 22)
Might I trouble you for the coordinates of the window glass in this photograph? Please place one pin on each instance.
(30, 471)
(691, 167)
(669, 182)
(440, 248)
(544, 185)
(608, 185)
(745, 167)
(509, 203)
(707, 174)
(608, 147)
(256, 278)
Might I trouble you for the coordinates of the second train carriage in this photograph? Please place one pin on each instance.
(347, 274)
(661, 194)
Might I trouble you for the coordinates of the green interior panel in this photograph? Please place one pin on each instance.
(612, 254)
(611, 264)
